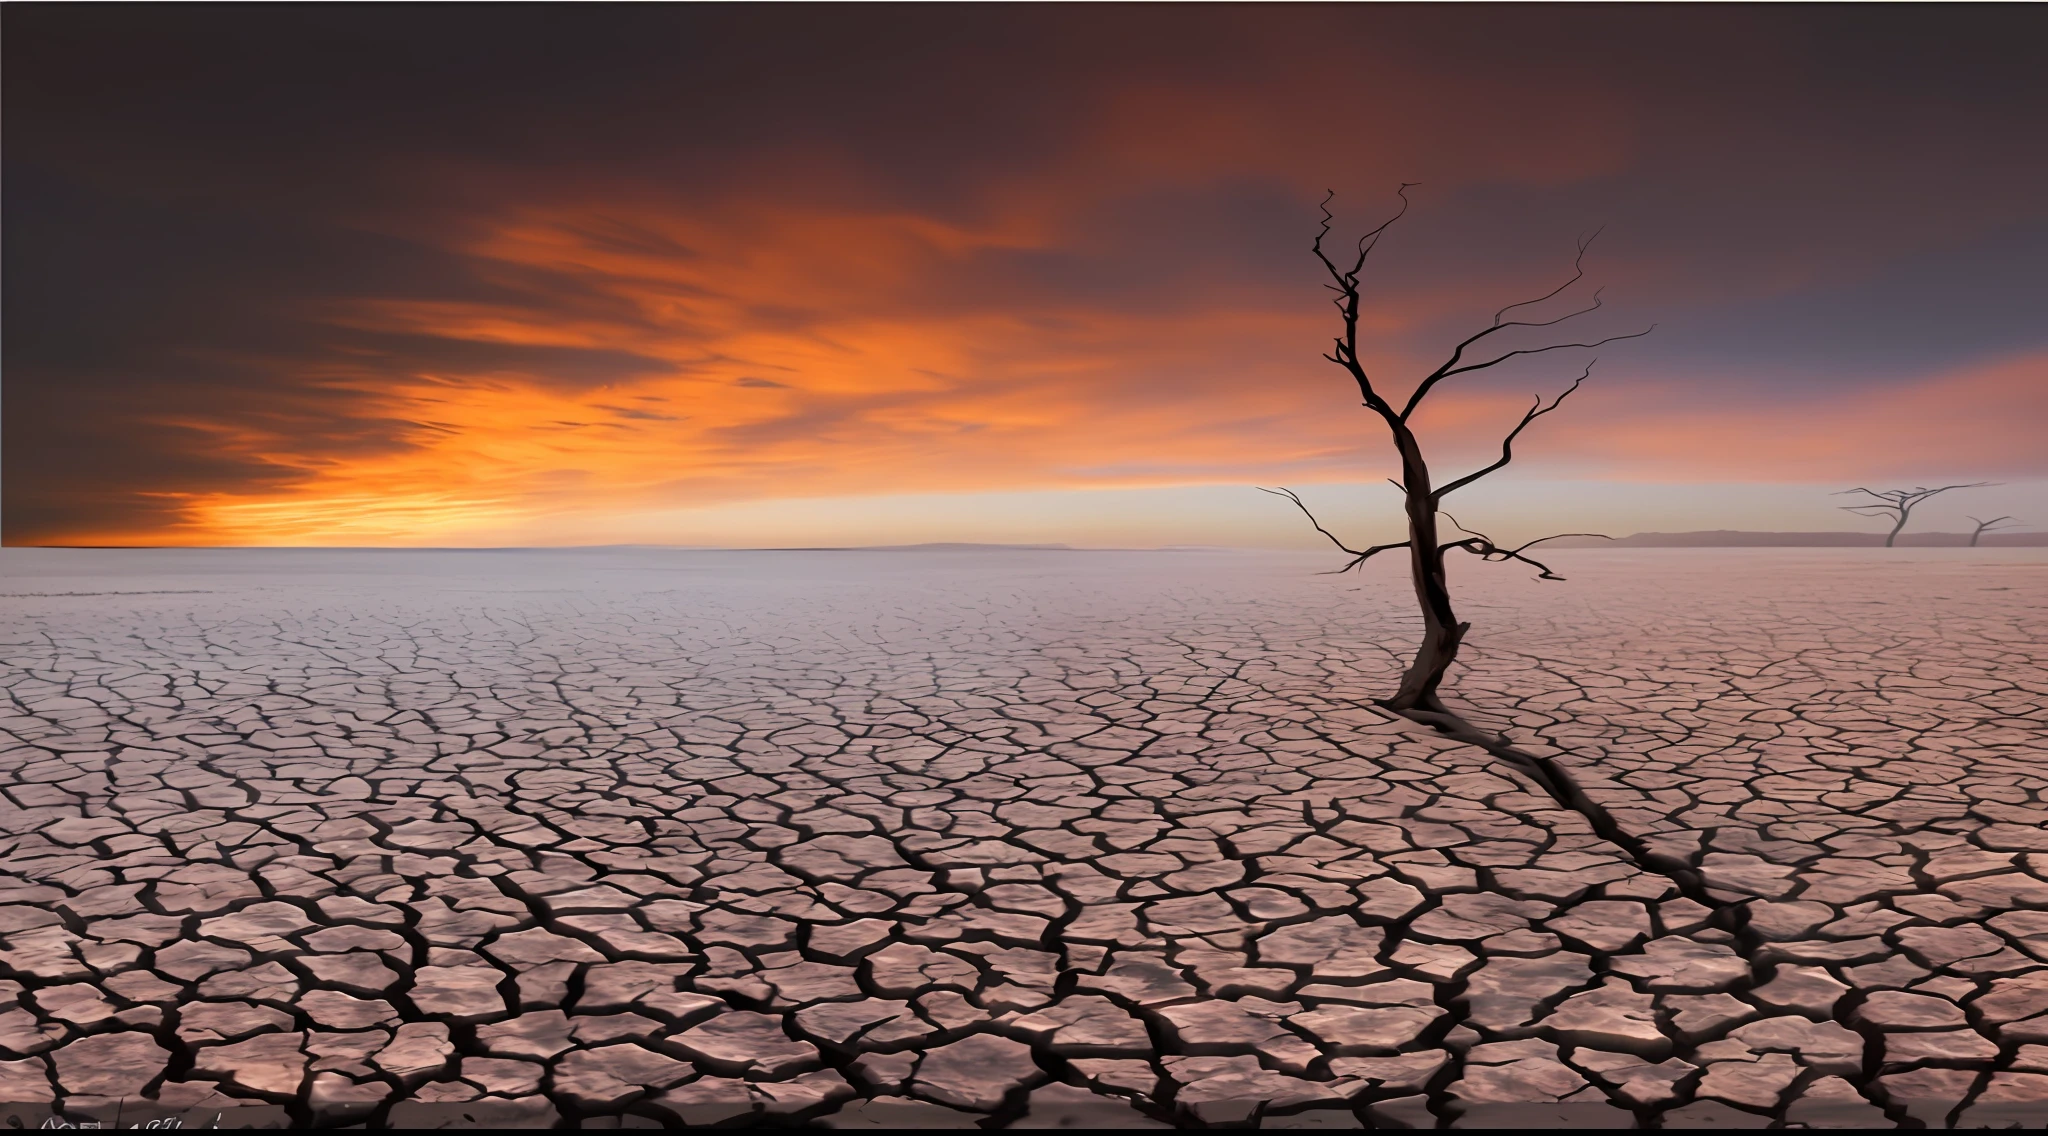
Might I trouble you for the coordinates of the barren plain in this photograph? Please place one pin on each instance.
(604, 838)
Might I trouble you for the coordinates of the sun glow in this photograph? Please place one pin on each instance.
(811, 356)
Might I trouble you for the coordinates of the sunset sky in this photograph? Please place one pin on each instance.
(790, 275)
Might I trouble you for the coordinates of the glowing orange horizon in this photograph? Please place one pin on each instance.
(875, 388)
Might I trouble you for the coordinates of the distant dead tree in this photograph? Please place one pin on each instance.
(1898, 503)
(1992, 525)
(1418, 697)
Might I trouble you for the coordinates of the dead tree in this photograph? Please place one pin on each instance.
(1992, 525)
(1898, 504)
(1418, 697)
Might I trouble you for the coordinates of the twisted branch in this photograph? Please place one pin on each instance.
(1451, 365)
(1507, 453)
(1894, 498)
(1345, 353)
(1357, 558)
(1484, 547)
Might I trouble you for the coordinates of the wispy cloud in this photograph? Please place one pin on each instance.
(760, 278)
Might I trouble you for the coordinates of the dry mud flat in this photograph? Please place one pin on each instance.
(1016, 839)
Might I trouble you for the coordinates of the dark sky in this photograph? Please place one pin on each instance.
(416, 274)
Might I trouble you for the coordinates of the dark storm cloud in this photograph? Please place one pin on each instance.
(128, 321)
(1979, 298)
(202, 203)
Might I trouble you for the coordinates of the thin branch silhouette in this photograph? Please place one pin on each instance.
(1359, 558)
(1507, 453)
(1486, 549)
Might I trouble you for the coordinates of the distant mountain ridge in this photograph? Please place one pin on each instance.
(1732, 538)
(961, 546)
(934, 546)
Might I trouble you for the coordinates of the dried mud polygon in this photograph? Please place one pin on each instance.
(1027, 839)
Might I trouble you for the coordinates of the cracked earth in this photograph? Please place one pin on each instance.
(876, 840)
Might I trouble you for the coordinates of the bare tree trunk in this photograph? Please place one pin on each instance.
(1441, 631)
(1984, 526)
(1897, 528)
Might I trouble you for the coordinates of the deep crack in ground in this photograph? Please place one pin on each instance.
(1017, 838)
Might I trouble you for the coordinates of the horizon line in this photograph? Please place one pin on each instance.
(934, 546)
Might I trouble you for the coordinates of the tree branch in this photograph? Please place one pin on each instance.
(1898, 502)
(1892, 498)
(1506, 446)
(1345, 353)
(1362, 557)
(1357, 558)
(1450, 366)
(1348, 281)
(1561, 536)
(1578, 274)
(1283, 491)
(1423, 387)
(1501, 323)
(1483, 546)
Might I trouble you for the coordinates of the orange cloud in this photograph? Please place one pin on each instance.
(1014, 250)
(797, 366)
(805, 356)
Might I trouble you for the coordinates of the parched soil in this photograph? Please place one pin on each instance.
(1027, 839)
